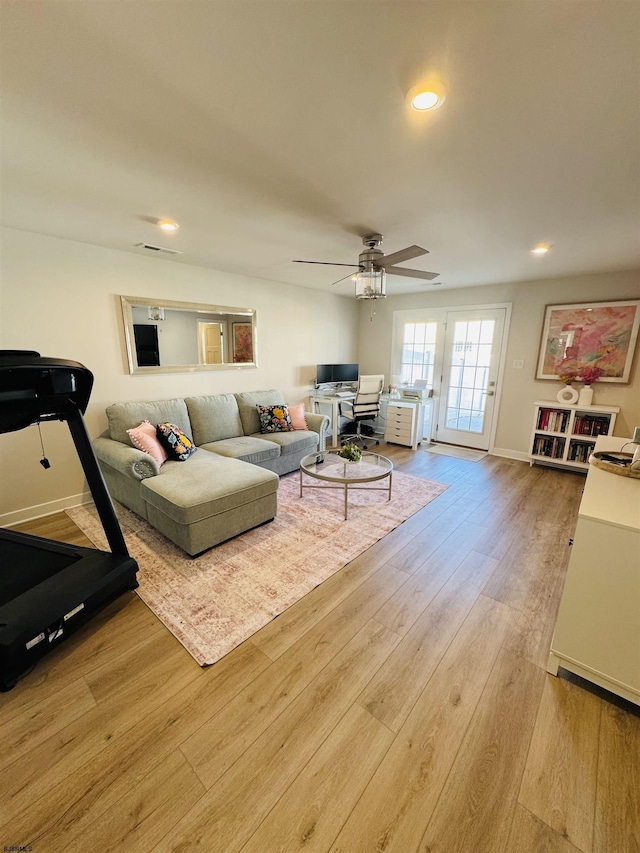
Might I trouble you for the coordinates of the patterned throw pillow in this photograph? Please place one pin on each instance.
(274, 419)
(178, 445)
(296, 413)
(144, 438)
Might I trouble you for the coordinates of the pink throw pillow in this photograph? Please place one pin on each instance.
(296, 413)
(144, 438)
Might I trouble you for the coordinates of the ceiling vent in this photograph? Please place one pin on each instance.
(157, 249)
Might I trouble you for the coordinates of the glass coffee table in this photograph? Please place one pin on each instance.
(338, 473)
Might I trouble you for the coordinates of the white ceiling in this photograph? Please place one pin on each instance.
(278, 129)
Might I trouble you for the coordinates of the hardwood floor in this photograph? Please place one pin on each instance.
(401, 706)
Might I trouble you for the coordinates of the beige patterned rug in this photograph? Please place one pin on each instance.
(213, 602)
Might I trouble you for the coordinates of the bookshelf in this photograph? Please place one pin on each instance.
(564, 435)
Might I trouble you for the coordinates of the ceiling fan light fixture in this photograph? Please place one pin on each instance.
(540, 249)
(425, 97)
(371, 283)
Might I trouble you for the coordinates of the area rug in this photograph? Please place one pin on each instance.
(213, 602)
(457, 452)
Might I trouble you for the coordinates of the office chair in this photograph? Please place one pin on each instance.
(365, 407)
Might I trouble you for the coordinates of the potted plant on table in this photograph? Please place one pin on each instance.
(350, 452)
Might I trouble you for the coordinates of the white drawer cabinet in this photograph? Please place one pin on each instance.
(597, 635)
(403, 423)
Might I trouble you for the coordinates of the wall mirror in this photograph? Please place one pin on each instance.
(163, 336)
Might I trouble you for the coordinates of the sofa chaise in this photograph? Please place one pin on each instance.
(229, 486)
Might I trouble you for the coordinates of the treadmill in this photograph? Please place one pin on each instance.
(49, 589)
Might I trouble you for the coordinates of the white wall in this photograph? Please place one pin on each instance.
(520, 388)
(62, 299)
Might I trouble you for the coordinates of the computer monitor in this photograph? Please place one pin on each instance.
(324, 374)
(336, 374)
(345, 372)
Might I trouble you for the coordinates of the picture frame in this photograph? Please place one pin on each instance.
(242, 341)
(594, 334)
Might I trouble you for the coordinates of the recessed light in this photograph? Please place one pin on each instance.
(426, 96)
(541, 249)
(167, 225)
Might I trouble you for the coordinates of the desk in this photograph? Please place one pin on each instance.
(334, 401)
(399, 406)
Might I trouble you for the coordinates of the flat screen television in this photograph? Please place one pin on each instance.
(335, 374)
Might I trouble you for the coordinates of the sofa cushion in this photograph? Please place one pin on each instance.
(145, 439)
(124, 416)
(247, 402)
(298, 419)
(213, 485)
(175, 441)
(246, 447)
(214, 417)
(274, 419)
(297, 441)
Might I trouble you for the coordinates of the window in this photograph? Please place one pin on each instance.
(418, 352)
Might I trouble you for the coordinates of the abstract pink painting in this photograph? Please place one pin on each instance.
(594, 334)
(242, 342)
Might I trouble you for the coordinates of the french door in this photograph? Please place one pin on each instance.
(470, 368)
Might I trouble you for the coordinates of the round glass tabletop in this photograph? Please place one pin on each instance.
(329, 466)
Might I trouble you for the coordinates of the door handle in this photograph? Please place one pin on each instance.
(489, 393)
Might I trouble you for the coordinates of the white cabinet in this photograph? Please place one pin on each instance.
(597, 635)
(403, 424)
(565, 435)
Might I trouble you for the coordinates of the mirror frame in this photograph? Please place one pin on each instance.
(130, 302)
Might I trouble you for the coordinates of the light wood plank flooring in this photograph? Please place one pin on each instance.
(401, 706)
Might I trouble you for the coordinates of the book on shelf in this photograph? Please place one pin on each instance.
(579, 451)
(553, 420)
(591, 425)
(552, 448)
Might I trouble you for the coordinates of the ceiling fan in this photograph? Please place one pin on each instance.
(373, 265)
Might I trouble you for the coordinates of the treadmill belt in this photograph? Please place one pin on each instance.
(25, 566)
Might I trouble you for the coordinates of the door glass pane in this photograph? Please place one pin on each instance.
(473, 331)
(418, 352)
(468, 375)
(478, 401)
(486, 331)
(456, 376)
(484, 355)
(464, 419)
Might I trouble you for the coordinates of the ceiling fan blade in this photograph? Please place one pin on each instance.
(326, 263)
(343, 278)
(427, 276)
(403, 255)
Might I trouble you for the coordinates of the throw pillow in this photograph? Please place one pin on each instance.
(296, 413)
(274, 419)
(178, 445)
(144, 438)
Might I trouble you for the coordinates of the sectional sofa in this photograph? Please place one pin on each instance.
(229, 486)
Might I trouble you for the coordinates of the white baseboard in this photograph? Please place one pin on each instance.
(39, 510)
(510, 454)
